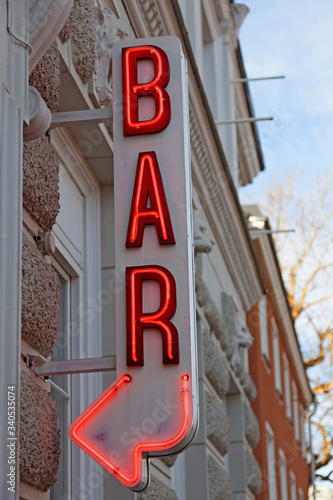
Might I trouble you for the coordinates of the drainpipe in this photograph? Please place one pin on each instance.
(13, 110)
(312, 455)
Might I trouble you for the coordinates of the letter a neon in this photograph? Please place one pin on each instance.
(148, 181)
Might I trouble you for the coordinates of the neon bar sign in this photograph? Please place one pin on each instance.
(151, 409)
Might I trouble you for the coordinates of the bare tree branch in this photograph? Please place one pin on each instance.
(306, 259)
(325, 478)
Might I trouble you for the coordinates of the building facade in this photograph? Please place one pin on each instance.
(283, 390)
(64, 204)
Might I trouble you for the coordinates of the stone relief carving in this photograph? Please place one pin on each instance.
(202, 242)
(108, 31)
(243, 339)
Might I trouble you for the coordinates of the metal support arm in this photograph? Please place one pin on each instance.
(82, 117)
(250, 119)
(46, 368)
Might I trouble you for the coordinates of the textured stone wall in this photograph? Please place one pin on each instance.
(39, 435)
(157, 490)
(217, 424)
(229, 317)
(253, 473)
(41, 182)
(66, 31)
(83, 38)
(40, 300)
(218, 349)
(39, 426)
(46, 78)
(252, 431)
(211, 312)
(249, 387)
(216, 369)
(220, 487)
(170, 461)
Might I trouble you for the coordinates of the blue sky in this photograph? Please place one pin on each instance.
(292, 38)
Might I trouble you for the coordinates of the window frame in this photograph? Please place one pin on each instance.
(276, 358)
(271, 462)
(296, 413)
(287, 391)
(302, 433)
(293, 486)
(263, 327)
(283, 476)
(84, 268)
(62, 487)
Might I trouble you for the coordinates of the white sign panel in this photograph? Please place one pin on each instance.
(152, 408)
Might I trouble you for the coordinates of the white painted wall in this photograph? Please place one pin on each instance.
(13, 103)
(78, 236)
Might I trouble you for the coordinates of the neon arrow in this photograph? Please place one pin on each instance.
(150, 408)
(120, 449)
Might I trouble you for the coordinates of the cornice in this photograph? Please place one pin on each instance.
(152, 17)
(225, 214)
(215, 187)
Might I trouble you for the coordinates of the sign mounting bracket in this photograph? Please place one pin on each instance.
(81, 117)
(45, 368)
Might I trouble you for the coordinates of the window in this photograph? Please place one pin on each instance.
(276, 354)
(283, 476)
(302, 432)
(293, 486)
(271, 473)
(263, 327)
(77, 262)
(286, 378)
(61, 389)
(295, 413)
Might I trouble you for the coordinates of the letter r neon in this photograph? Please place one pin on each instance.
(137, 320)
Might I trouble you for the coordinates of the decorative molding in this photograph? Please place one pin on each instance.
(221, 209)
(236, 256)
(240, 11)
(219, 9)
(152, 17)
(108, 31)
(45, 21)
